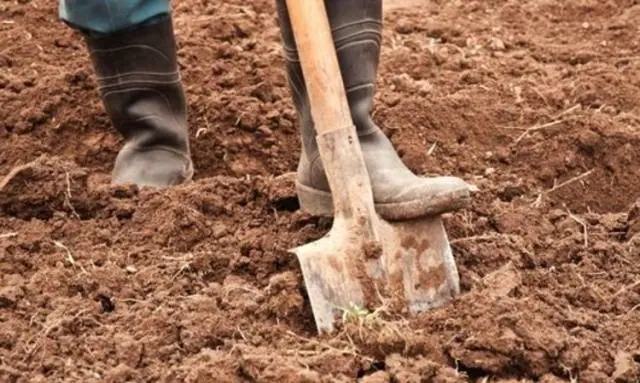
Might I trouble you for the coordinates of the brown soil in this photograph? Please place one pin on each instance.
(537, 102)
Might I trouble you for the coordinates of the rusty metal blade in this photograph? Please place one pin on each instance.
(334, 271)
(419, 264)
(415, 268)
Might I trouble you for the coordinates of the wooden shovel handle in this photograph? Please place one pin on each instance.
(336, 135)
(329, 105)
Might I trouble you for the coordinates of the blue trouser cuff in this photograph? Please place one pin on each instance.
(109, 16)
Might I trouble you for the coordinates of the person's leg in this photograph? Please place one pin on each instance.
(398, 193)
(133, 51)
(109, 16)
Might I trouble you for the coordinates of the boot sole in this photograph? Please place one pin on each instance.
(320, 203)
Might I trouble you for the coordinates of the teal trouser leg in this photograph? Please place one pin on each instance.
(108, 16)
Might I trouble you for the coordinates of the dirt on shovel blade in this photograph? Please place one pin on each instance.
(535, 102)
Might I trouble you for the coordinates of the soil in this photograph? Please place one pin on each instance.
(536, 102)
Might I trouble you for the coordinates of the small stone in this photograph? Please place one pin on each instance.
(519, 55)
(219, 230)
(273, 115)
(377, 377)
(265, 130)
(501, 282)
(391, 99)
(308, 376)
(404, 26)
(131, 269)
(626, 368)
(496, 44)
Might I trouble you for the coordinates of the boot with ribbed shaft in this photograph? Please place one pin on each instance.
(141, 90)
(398, 193)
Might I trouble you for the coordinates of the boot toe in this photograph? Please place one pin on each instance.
(154, 168)
(421, 197)
(445, 185)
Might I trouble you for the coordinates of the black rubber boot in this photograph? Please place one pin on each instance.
(398, 193)
(141, 90)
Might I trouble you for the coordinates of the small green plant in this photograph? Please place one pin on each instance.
(360, 315)
(354, 313)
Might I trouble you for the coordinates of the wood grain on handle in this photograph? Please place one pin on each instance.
(329, 106)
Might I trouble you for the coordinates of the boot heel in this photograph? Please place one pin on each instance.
(313, 201)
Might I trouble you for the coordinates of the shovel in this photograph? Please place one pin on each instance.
(363, 260)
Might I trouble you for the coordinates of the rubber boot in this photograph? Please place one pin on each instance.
(398, 193)
(141, 90)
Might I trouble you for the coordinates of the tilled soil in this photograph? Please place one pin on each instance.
(536, 102)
